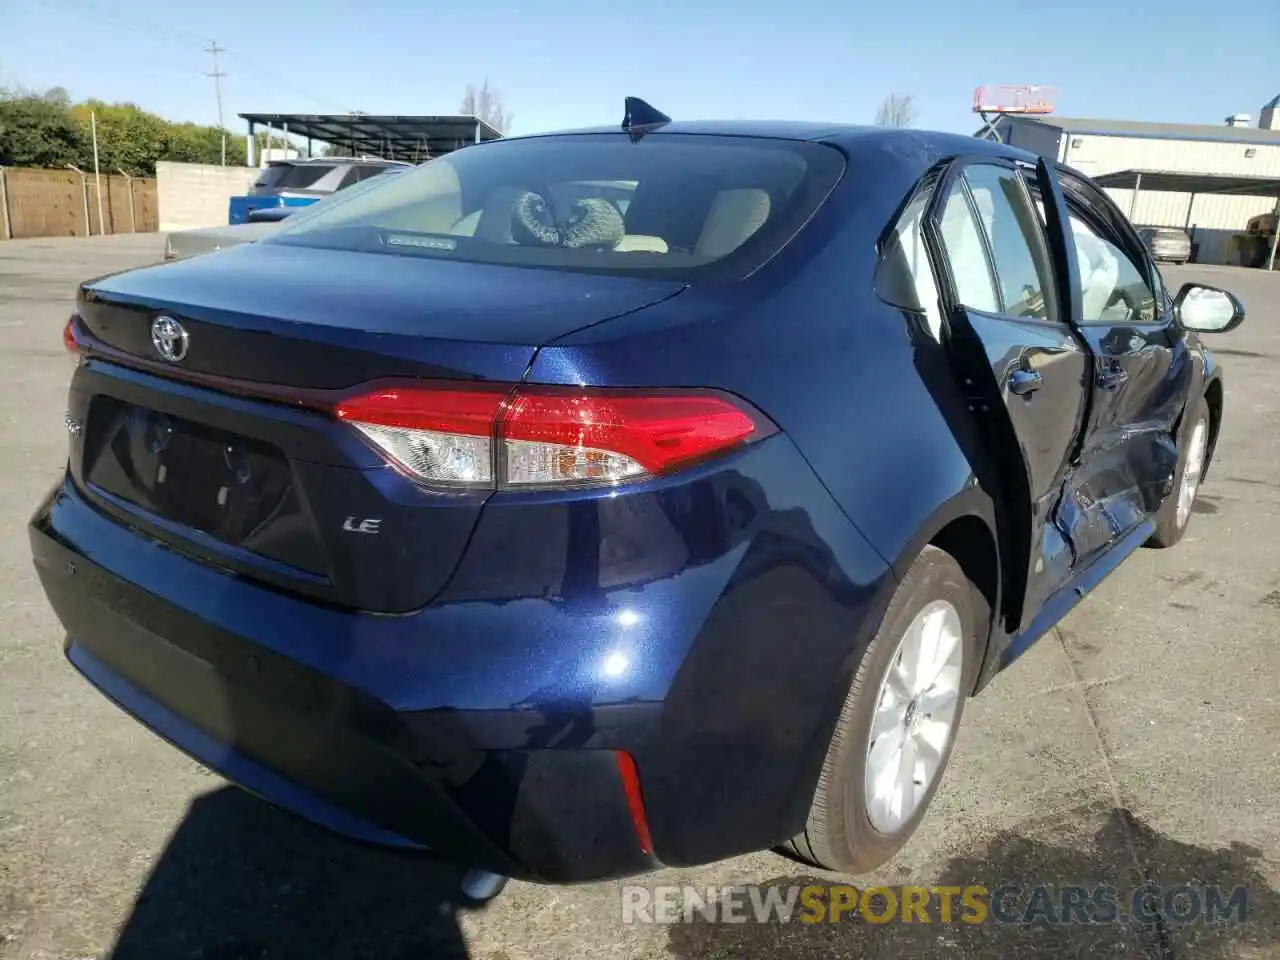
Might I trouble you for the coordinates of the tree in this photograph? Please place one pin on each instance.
(897, 110)
(193, 143)
(37, 130)
(486, 102)
(129, 138)
(48, 130)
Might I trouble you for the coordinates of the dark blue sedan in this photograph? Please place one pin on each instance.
(583, 503)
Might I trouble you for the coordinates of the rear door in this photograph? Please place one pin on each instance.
(1024, 366)
(1143, 369)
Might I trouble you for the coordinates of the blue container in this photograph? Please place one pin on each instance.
(239, 207)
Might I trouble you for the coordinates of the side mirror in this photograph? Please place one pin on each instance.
(1208, 309)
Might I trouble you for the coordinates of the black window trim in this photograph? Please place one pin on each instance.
(926, 186)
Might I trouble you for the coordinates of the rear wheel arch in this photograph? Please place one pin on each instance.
(965, 528)
(972, 543)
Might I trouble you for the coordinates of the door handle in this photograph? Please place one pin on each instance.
(1023, 382)
(1112, 378)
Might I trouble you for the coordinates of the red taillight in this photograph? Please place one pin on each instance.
(69, 336)
(444, 409)
(549, 434)
(534, 436)
(441, 435)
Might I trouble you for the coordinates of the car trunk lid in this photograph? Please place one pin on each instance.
(232, 454)
(290, 316)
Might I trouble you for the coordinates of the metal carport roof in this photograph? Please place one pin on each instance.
(1175, 181)
(392, 137)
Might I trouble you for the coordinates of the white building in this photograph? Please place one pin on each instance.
(1233, 153)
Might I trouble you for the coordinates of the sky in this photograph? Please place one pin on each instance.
(569, 63)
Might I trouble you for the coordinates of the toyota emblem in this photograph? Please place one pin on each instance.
(169, 338)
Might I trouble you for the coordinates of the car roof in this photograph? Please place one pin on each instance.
(846, 135)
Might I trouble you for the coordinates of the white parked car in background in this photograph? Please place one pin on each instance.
(1166, 244)
(190, 243)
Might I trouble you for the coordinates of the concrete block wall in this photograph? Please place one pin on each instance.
(195, 195)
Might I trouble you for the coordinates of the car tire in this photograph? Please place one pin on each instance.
(844, 831)
(1172, 518)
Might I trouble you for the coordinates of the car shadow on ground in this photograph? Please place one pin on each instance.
(1011, 858)
(241, 880)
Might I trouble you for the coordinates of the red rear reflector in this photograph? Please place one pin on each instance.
(635, 800)
(539, 436)
(69, 336)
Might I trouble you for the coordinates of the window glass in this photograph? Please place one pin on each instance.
(1112, 288)
(303, 175)
(353, 176)
(272, 174)
(667, 205)
(905, 277)
(966, 253)
(368, 170)
(1017, 241)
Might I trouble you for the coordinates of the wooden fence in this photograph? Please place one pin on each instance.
(62, 203)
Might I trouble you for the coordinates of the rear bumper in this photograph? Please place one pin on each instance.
(1171, 251)
(488, 726)
(323, 749)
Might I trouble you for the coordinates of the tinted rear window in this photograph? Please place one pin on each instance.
(303, 175)
(362, 172)
(670, 205)
(272, 174)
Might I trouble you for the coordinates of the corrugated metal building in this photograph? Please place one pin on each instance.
(1097, 147)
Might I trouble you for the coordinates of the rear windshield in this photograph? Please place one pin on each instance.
(303, 175)
(272, 174)
(669, 205)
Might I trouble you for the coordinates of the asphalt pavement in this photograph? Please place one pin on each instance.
(1138, 743)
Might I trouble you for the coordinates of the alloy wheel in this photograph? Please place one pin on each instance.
(1192, 470)
(915, 716)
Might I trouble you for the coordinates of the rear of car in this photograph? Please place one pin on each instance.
(299, 183)
(260, 222)
(316, 177)
(192, 243)
(1167, 244)
(320, 530)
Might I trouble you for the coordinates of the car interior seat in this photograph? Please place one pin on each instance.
(734, 217)
(492, 222)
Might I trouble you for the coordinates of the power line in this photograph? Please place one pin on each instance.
(116, 19)
(217, 75)
(286, 84)
(57, 49)
(113, 18)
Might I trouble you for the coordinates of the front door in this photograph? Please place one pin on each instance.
(1128, 455)
(1025, 367)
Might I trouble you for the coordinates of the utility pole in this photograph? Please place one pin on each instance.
(217, 75)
